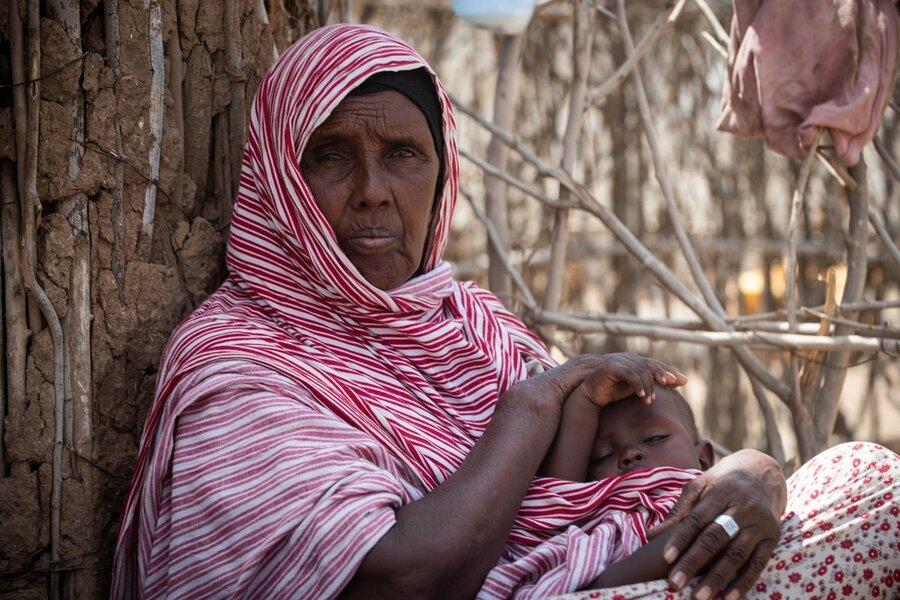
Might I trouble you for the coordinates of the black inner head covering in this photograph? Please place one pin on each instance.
(418, 86)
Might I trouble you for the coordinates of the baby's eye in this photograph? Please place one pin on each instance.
(601, 457)
(655, 439)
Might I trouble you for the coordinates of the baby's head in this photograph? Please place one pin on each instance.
(634, 435)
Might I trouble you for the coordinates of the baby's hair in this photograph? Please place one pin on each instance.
(684, 410)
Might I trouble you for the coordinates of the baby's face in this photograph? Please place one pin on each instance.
(633, 435)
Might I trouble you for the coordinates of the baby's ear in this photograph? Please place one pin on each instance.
(705, 454)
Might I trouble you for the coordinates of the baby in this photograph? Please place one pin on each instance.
(632, 434)
(657, 430)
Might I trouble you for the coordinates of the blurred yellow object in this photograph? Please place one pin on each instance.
(778, 280)
(752, 284)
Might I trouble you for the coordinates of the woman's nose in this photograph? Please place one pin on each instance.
(372, 189)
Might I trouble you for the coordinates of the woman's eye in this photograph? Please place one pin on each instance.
(402, 153)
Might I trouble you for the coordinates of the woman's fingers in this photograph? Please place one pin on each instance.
(610, 377)
(695, 542)
(689, 497)
(634, 374)
(733, 555)
(751, 571)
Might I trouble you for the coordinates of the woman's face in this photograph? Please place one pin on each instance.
(372, 169)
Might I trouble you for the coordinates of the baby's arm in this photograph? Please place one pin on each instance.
(570, 454)
(618, 376)
(645, 564)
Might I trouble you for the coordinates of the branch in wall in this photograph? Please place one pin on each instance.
(582, 35)
(31, 211)
(800, 410)
(157, 106)
(662, 23)
(506, 92)
(496, 241)
(16, 315)
(113, 58)
(758, 340)
(826, 402)
(237, 116)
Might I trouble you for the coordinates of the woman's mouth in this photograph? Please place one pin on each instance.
(371, 240)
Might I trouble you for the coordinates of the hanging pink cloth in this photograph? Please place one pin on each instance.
(797, 65)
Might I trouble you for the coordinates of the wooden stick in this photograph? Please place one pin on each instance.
(717, 28)
(113, 58)
(506, 92)
(800, 410)
(582, 34)
(850, 306)
(887, 158)
(662, 176)
(884, 234)
(759, 326)
(494, 238)
(836, 169)
(854, 289)
(773, 435)
(518, 183)
(720, 49)
(157, 107)
(30, 215)
(752, 339)
(16, 320)
(812, 359)
(660, 25)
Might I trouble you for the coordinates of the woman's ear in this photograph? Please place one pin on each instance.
(705, 454)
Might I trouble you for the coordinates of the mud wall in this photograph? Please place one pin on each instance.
(121, 128)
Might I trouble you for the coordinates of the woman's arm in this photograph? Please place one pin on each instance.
(645, 564)
(748, 486)
(446, 543)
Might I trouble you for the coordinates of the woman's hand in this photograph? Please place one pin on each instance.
(617, 376)
(749, 487)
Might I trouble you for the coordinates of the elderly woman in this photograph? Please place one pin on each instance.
(343, 417)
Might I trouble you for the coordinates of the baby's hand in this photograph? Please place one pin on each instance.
(622, 374)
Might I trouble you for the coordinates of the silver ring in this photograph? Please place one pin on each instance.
(729, 525)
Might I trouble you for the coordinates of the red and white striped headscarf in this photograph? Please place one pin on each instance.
(418, 368)
(432, 355)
